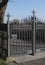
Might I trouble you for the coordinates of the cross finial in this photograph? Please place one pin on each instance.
(8, 15)
(33, 13)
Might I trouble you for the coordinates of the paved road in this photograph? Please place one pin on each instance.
(34, 62)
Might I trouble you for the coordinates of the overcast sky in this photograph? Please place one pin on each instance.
(23, 8)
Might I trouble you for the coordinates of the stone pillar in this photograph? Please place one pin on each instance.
(33, 33)
(8, 31)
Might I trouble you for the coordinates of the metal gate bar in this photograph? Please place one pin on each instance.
(40, 41)
(22, 44)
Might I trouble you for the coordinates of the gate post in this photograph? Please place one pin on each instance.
(8, 34)
(33, 33)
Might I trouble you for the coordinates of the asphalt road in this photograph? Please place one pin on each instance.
(34, 62)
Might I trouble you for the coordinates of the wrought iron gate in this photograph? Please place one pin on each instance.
(40, 39)
(20, 40)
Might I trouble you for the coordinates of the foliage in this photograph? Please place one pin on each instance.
(2, 62)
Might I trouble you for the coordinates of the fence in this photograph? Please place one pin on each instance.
(21, 39)
(40, 38)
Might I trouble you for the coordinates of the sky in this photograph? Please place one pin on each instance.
(19, 9)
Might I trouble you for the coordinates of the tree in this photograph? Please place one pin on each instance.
(16, 21)
(26, 20)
